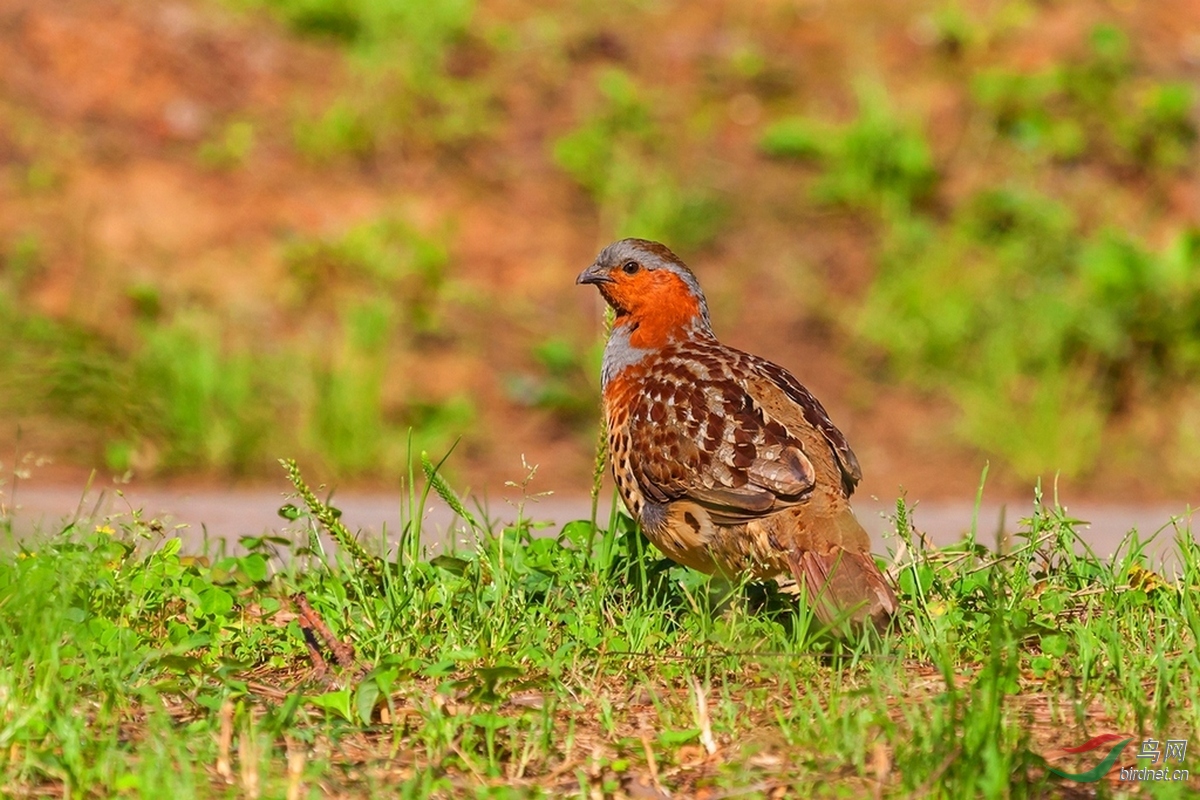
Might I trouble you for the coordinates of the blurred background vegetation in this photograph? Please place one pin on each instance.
(232, 230)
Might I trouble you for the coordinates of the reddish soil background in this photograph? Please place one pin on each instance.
(118, 94)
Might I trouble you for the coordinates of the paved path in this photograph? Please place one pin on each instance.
(230, 514)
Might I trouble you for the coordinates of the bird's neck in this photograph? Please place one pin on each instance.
(634, 337)
(672, 318)
(620, 353)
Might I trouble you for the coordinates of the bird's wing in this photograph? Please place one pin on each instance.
(709, 440)
(769, 381)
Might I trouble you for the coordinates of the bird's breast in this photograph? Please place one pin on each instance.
(620, 354)
(620, 450)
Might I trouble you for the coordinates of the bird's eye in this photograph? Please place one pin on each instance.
(631, 267)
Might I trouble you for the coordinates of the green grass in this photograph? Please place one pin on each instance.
(1043, 329)
(386, 257)
(1046, 318)
(619, 154)
(1040, 331)
(179, 385)
(877, 162)
(1093, 105)
(564, 382)
(231, 148)
(530, 666)
(404, 94)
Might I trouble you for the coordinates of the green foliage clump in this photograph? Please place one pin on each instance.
(406, 93)
(105, 618)
(618, 155)
(1162, 130)
(1093, 105)
(200, 403)
(177, 399)
(179, 390)
(1043, 611)
(876, 162)
(1040, 332)
(345, 128)
(564, 382)
(21, 261)
(57, 368)
(356, 407)
(426, 27)
(796, 137)
(229, 149)
(386, 257)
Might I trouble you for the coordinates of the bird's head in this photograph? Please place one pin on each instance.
(652, 291)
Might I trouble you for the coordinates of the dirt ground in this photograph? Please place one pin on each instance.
(110, 100)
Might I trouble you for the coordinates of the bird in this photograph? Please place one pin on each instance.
(728, 463)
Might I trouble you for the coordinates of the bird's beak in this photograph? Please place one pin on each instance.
(594, 274)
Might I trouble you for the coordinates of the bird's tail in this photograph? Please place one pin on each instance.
(843, 585)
